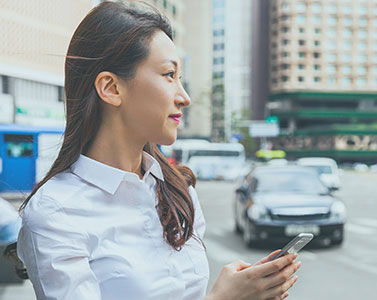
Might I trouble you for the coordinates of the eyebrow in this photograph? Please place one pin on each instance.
(172, 62)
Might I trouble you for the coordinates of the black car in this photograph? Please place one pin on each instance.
(275, 203)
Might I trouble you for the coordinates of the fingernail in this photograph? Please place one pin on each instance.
(295, 255)
(286, 295)
(298, 264)
(296, 278)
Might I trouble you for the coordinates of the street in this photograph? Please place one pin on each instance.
(346, 272)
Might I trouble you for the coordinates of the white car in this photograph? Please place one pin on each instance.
(326, 168)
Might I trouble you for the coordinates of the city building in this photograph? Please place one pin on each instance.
(322, 58)
(231, 65)
(197, 73)
(34, 42)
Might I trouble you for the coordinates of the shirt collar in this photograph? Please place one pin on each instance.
(109, 178)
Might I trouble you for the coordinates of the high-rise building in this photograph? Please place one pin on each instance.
(322, 58)
(197, 76)
(231, 64)
(34, 42)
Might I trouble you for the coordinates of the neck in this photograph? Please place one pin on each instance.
(117, 149)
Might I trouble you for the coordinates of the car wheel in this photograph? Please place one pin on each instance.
(246, 234)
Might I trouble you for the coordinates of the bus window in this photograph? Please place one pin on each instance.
(19, 145)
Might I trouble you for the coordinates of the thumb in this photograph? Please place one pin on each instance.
(238, 265)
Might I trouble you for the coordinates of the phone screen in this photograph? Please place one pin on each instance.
(295, 245)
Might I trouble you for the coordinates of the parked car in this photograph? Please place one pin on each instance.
(275, 203)
(327, 169)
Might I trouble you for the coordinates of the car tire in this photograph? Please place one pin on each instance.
(246, 234)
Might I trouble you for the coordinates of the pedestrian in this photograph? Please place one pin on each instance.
(113, 219)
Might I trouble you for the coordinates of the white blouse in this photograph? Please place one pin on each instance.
(93, 232)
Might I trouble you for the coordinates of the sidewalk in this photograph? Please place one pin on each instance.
(22, 291)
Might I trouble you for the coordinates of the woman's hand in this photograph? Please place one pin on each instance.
(264, 280)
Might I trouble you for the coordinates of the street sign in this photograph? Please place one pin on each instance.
(264, 129)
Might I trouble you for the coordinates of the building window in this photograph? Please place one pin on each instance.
(332, 80)
(362, 45)
(361, 81)
(347, 21)
(174, 10)
(362, 58)
(346, 57)
(346, 70)
(361, 70)
(347, 9)
(285, 7)
(301, 66)
(301, 42)
(300, 19)
(301, 54)
(316, 43)
(285, 42)
(285, 29)
(317, 30)
(331, 32)
(316, 55)
(285, 54)
(301, 7)
(284, 78)
(317, 19)
(60, 94)
(332, 9)
(165, 4)
(300, 78)
(331, 57)
(362, 33)
(347, 45)
(317, 67)
(331, 69)
(363, 21)
(347, 33)
(363, 10)
(301, 30)
(5, 85)
(285, 66)
(317, 79)
(332, 21)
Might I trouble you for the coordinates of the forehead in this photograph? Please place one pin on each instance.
(162, 49)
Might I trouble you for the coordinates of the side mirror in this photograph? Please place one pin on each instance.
(333, 189)
(242, 190)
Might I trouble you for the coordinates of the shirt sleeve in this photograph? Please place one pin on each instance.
(55, 253)
(199, 222)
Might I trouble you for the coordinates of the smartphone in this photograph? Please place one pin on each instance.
(295, 245)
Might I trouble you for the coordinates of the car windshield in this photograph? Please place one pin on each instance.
(322, 169)
(288, 181)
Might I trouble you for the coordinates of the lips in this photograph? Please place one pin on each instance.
(175, 117)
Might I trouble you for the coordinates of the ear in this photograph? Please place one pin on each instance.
(107, 86)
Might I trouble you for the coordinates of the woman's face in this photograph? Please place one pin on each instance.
(153, 100)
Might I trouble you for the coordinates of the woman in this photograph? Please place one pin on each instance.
(113, 219)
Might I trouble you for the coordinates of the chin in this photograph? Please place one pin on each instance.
(166, 140)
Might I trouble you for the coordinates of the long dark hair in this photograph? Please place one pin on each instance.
(115, 37)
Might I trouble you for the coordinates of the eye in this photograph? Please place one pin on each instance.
(170, 74)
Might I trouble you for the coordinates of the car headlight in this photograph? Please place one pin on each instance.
(338, 210)
(257, 212)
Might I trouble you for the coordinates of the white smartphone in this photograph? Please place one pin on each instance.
(295, 245)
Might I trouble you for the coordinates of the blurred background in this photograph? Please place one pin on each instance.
(277, 86)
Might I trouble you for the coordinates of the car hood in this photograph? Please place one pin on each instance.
(275, 201)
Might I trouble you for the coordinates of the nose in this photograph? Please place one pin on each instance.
(182, 98)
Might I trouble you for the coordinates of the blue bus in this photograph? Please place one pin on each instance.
(26, 152)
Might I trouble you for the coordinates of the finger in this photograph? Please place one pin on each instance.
(238, 265)
(274, 266)
(282, 276)
(280, 290)
(267, 258)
